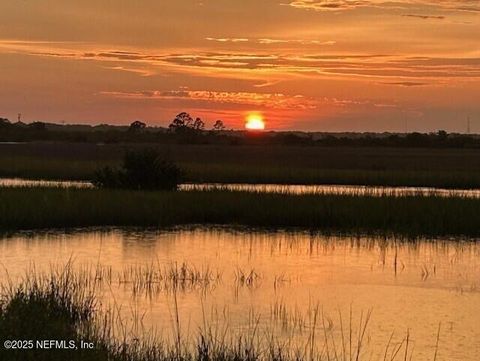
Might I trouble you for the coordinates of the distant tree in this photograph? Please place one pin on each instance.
(181, 122)
(198, 124)
(184, 122)
(4, 122)
(137, 126)
(218, 126)
(442, 135)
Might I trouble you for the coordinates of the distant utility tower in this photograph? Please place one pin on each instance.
(468, 125)
(19, 117)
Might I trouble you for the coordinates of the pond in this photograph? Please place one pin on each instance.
(276, 282)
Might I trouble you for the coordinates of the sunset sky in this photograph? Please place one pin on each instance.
(331, 65)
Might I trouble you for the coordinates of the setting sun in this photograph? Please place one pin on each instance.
(255, 122)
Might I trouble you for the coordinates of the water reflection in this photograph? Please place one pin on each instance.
(273, 188)
(20, 182)
(337, 190)
(233, 276)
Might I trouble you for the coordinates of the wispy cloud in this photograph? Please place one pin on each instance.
(228, 40)
(296, 41)
(341, 65)
(253, 99)
(329, 5)
(257, 100)
(425, 17)
(272, 41)
(265, 67)
(407, 83)
(340, 5)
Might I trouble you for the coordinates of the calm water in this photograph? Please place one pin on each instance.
(412, 287)
(273, 188)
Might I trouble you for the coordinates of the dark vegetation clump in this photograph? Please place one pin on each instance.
(143, 170)
(48, 318)
(48, 310)
(43, 310)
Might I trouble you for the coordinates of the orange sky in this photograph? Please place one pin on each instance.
(327, 65)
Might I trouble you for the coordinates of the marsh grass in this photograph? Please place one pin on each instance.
(385, 166)
(50, 168)
(294, 174)
(246, 278)
(405, 216)
(289, 320)
(148, 279)
(153, 278)
(64, 307)
(84, 170)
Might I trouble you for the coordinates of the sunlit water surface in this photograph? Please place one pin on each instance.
(278, 280)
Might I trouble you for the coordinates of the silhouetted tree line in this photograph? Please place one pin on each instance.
(440, 139)
(185, 129)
